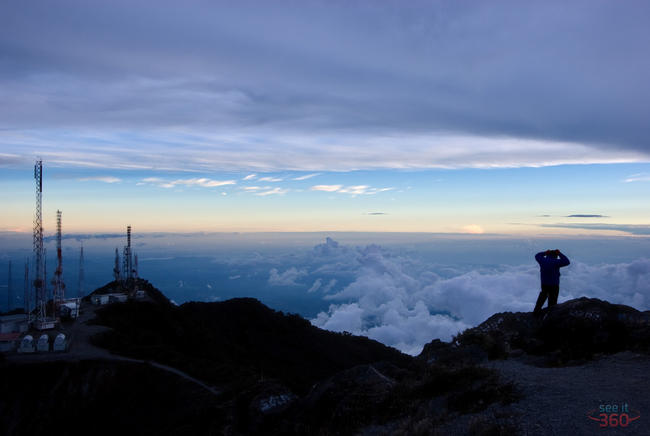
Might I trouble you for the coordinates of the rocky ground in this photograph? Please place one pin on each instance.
(566, 363)
(558, 401)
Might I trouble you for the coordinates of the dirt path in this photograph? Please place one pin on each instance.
(557, 401)
(185, 376)
(81, 348)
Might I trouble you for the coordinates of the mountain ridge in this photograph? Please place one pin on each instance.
(267, 372)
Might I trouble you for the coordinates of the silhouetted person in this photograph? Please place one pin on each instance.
(550, 262)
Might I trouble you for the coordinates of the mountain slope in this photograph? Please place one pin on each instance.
(236, 342)
(277, 374)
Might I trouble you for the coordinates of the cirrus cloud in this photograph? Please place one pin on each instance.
(274, 191)
(326, 188)
(351, 190)
(641, 177)
(105, 179)
(202, 182)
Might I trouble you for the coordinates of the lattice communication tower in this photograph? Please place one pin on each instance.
(39, 268)
(57, 282)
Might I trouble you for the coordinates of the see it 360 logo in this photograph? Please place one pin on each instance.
(614, 415)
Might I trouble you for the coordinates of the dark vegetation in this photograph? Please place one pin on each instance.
(237, 342)
(281, 375)
(278, 374)
(16, 311)
(470, 388)
(102, 398)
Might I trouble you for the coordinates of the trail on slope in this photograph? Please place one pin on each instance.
(81, 348)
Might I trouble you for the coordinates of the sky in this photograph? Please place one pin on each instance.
(425, 116)
(387, 168)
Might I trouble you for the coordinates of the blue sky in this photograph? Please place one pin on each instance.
(567, 199)
(430, 116)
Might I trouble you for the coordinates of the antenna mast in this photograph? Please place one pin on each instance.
(10, 292)
(59, 286)
(116, 268)
(39, 268)
(128, 257)
(26, 298)
(80, 291)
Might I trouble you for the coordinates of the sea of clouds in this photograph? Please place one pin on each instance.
(405, 303)
(402, 294)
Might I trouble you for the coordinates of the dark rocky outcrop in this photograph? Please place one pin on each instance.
(152, 293)
(568, 333)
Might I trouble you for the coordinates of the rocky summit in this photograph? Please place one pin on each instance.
(569, 333)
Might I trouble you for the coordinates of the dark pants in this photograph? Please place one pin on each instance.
(548, 291)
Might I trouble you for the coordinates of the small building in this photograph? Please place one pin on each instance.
(26, 344)
(9, 341)
(139, 295)
(18, 323)
(117, 298)
(70, 308)
(114, 297)
(60, 343)
(43, 343)
(45, 324)
(99, 299)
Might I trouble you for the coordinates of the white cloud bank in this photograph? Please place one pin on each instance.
(391, 302)
(287, 278)
(318, 285)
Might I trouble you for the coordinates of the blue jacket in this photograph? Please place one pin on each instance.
(549, 267)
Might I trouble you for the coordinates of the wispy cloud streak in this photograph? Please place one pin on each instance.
(351, 190)
(633, 229)
(306, 176)
(105, 179)
(326, 188)
(274, 191)
(641, 177)
(202, 182)
(586, 215)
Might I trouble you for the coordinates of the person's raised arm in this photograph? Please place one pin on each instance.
(564, 261)
(540, 256)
